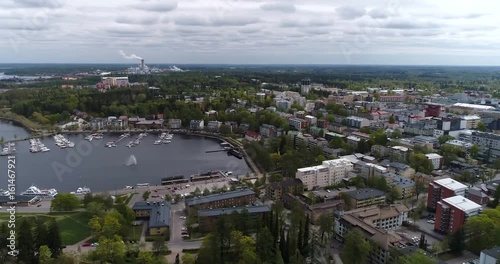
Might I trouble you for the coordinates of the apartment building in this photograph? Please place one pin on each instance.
(436, 159)
(197, 124)
(442, 189)
(490, 256)
(357, 122)
(364, 197)
(452, 212)
(214, 125)
(471, 121)
(384, 241)
(405, 185)
(487, 141)
(275, 190)
(331, 172)
(399, 154)
(221, 200)
(208, 217)
(383, 217)
(312, 120)
(297, 123)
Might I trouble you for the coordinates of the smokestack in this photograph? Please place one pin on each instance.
(142, 64)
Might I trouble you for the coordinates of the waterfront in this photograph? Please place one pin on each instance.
(93, 165)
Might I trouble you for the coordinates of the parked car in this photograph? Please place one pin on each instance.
(86, 245)
(182, 217)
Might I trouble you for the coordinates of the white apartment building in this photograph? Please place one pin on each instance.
(487, 141)
(316, 176)
(331, 172)
(437, 160)
(471, 121)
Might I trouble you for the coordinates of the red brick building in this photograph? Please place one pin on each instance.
(441, 189)
(207, 218)
(452, 212)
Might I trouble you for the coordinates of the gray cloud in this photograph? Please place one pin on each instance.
(233, 21)
(157, 6)
(349, 12)
(137, 20)
(280, 7)
(191, 21)
(32, 3)
(406, 24)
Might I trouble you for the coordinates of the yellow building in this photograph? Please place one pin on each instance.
(157, 215)
(364, 198)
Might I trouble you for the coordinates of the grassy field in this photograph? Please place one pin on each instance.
(73, 226)
(135, 233)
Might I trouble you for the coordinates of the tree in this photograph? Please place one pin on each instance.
(40, 234)
(188, 259)
(457, 242)
(197, 192)
(25, 243)
(481, 126)
(418, 257)
(421, 163)
(145, 195)
(95, 208)
(445, 138)
(419, 188)
(145, 257)
(474, 150)
(159, 245)
(422, 244)
(54, 240)
(326, 225)
(206, 191)
(265, 245)
(356, 247)
(392, 119)
(110, 250)
(65, 202)
(44, 255)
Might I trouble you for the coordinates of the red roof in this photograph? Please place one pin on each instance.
(252, 134)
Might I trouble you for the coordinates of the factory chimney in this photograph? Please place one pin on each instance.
(142, 64)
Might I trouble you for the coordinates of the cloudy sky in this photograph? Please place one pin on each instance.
(446, 32)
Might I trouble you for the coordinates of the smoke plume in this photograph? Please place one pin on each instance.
(129, 57)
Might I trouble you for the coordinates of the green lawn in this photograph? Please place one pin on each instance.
(74, 228)
(135, 233)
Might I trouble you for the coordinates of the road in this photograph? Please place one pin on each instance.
(176, 243)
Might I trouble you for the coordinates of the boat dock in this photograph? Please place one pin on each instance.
(206, 176)
(137, 140)
(174, 180)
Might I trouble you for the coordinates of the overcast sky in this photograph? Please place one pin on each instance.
(446, 32)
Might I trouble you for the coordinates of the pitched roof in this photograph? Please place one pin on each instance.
(217, 197)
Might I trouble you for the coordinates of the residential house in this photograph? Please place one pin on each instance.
(175, 123)
(276, 189)
(214, 126)
(197, 124)
(252, 136)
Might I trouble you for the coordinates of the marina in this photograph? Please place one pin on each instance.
(164, 138)
(103, 169)
(137, 140)
(95, 136)
(113, 144)
(34, 191)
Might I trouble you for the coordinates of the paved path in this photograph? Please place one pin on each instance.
(143, 233)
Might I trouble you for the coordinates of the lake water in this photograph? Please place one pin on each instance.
(100, 168)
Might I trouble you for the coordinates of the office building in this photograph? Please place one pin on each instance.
(441, 189)
(452, 212)
(305, 86)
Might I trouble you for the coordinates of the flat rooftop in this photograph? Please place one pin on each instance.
(433, 156)
(451, 184)
(217, 197)
(220, 211)
(367, 193)
(462, 203)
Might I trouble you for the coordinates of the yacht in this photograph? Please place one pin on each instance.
(82, 190)
(44, 149)
(35, 191)
(157, 142)
(166, 141)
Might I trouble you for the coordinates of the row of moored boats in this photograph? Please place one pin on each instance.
(34, 191)
(137, 140)
(37, 146)
(95, 136)
(164, 138)
(8, 149)
(63, 142)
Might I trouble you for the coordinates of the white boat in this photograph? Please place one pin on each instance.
(157, 142)
(44, 149)
(82, 190)
(143, 184)
(165, 141)
(35, 191)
